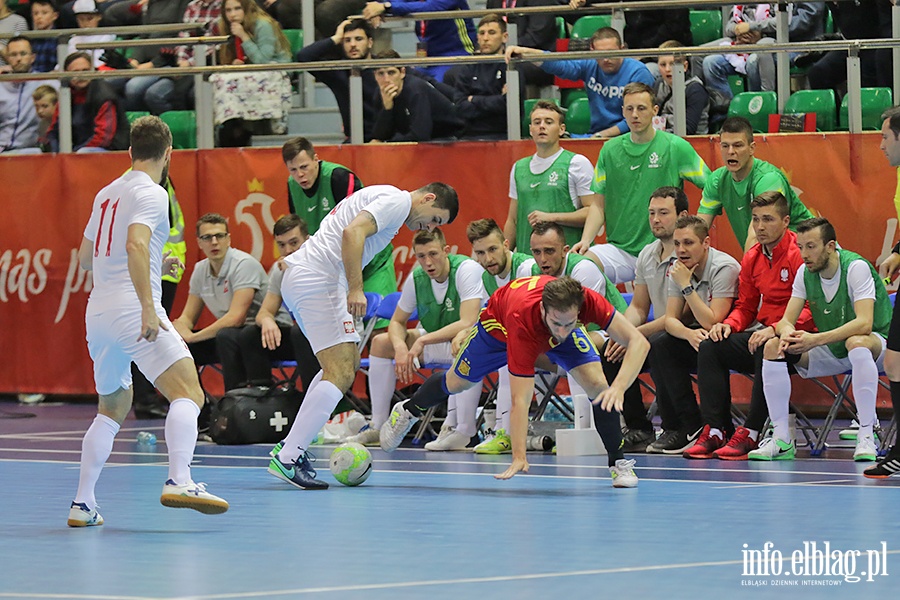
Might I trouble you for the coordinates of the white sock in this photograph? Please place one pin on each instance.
(581, 403)
(181, 438)
(865, 388)
(753, 434)
(314, 413)
(466, 406)
(451, 419)
(95, 449)
(716, 433)
(382, 383)
(777, 387)
(504, 400)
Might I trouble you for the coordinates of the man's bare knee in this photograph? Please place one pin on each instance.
(892, 365)
(180, 380)
(770, 352)
(381, 346)
(116, 405)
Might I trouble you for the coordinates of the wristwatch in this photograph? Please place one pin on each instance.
(687, 290)
(387, 6)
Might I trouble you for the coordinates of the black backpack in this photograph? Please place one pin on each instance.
(255, 415)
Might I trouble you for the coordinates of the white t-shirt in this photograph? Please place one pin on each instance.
(469, 285)
(860, 284)
(581, 175)
(388, 205)
(585, 272)
(133, 198)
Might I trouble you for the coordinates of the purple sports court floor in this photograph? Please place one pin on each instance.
(437, 525)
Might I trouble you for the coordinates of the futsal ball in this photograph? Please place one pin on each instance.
(351, 463)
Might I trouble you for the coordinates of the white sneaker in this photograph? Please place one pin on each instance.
(367, 436)
(850, 432)
(451, 440)
(623, 475)
(865, 448)
(396, 427)
(192, 495)
(81, 516)
(31, 398)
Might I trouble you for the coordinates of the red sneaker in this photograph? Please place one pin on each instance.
(738, 446)
(705, 445)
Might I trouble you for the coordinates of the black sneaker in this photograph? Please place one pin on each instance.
(665, 440)
(637, 440)
(889, 465)
(675, 443)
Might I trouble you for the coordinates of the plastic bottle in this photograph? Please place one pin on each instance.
(147, 438)
(539, 442)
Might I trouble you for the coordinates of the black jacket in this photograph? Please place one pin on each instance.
(420, 113)
(485, 114)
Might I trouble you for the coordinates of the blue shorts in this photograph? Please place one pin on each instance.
(482, 353)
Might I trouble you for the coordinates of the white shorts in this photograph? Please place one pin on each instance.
(436, 353)
(618, 265)
(823, 363)
(111, 338)
(319, 305)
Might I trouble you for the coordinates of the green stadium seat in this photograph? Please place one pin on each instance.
(562, 30)
(578, 116)
(874, 102)
(526, 113)
(183, 124)
(829, 21)
(821, 102)
(586, 26)
(706, 26)
(570, 95)
(755, 107)
(134, 115)
(295, 37)
(737, 83)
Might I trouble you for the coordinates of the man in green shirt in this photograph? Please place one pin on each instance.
(742, 179)
(852, 312)
(553, 185)
(314, 188)
(629, 169)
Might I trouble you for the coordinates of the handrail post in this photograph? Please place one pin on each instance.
(513, 115)
(679, 104)
(895, 51)
(783, 64)
(308, 18)
(65, 103)
(854, 92)
(617, 21)
(357, 130)
(203, 103)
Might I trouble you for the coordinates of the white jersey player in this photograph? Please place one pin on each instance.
(323, 287)
(126, 323)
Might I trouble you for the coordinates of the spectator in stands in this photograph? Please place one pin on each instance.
(604, 80)
(9, 23)
(553, 185)
(446, 290)
(703, 284)
(450, 37)
(852, 312)
(19, 122)
(331, 13)
(532, 31)
(88, 15)
(45, 98)
(650, 28)
(352, 40)
(98, 121)
(273, 336)
(696, 98)
(629, 168)
(736, 344)
(667, 205)
(286, 12)
(44, 14)
(410, 109)
(743, 178)
(755, 24)
(231, 284)
(247, 103)
(482, 86)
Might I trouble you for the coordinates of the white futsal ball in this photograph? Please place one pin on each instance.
(351, 463)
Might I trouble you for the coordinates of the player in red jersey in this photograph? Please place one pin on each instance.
(524, 319)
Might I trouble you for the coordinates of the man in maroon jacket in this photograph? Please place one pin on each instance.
(767, 271)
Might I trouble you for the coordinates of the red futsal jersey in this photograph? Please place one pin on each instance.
(513, 316)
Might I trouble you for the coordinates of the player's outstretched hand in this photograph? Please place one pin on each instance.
(519, 465)
(150, 325)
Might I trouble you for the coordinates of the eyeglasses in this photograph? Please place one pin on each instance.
(211, 236)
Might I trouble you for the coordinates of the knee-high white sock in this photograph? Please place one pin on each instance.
(504, 399)
(466, 406)
(581, 403)
(382, 382)
(452, 406)
(777, 387)
(865, 387)
(181, 438)
(95, 449)
(315, 411)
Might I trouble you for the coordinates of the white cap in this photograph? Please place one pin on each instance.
(85, 7)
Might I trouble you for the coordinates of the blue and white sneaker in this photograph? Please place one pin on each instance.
(192, 495)
(81, 516)
(300, 473)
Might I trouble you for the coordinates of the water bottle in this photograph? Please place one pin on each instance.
(539, 442)
(146, 438)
